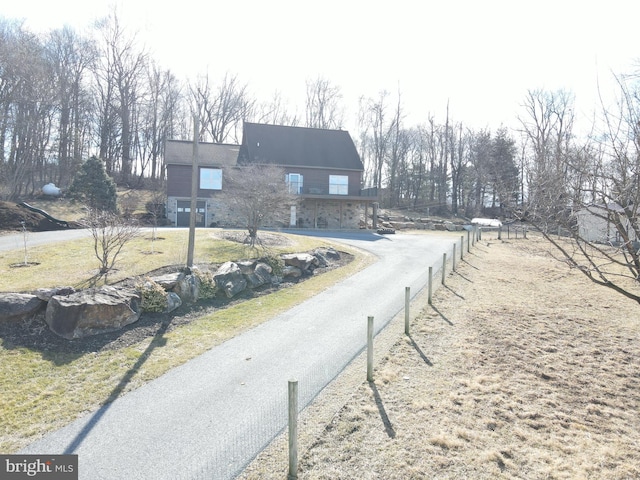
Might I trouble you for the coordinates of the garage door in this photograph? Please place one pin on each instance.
(184, 213)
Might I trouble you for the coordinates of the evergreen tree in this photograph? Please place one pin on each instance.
(93, 186)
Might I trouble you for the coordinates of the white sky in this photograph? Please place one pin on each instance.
(480, 55)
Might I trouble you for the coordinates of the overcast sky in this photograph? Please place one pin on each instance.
(480, 55)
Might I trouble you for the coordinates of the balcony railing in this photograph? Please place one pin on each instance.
(333, 190)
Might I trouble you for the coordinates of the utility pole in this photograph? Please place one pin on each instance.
(195, 176)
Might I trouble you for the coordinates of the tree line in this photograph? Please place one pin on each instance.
(65, 96)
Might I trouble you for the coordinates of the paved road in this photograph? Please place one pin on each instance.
(209, 417)
(14, 241)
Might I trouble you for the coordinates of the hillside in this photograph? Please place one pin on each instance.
(14, 217)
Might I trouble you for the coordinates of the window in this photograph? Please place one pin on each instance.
(210, 178)
(338, 185)
(294, 181)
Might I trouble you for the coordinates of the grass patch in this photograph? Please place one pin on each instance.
(74, 263)
(41, 391)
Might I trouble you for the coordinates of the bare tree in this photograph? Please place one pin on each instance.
(258, 194)
(274, 112)
(398, 150)
(323, 104)
(585, 199)
(548, 124)
(458, 162)
(110, 234)
(119, 75)
(378, 134)
(71, 56)
(158, 116)
(26, 110)
(221, 109)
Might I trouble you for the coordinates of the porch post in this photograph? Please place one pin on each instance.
(375, 215)
(315, 214)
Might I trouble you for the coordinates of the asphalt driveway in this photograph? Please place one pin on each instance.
(209, 417)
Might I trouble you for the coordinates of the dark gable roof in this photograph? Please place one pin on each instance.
(298, 146)
(180, 152)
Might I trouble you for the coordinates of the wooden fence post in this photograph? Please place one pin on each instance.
(407, 302)
(444, 266)
(453, 267)
(369, 349)
(293, 430)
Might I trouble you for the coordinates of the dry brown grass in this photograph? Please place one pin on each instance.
(521, 369)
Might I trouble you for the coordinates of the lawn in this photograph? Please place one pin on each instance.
(520, 369)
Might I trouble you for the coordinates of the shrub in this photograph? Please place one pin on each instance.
(94, 187)
(208, 288)
(153, 297)
(276, 264)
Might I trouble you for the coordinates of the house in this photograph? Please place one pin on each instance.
(597, 223)
(321, 166)
(212, 160)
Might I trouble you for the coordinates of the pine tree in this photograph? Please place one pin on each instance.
(94, 187)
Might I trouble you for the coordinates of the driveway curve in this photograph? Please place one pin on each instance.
(209, 417)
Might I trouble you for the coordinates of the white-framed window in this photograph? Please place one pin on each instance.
(294, 181)
(210, 178)
(338, 185)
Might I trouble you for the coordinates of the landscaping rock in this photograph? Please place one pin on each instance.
(45, 294)
(330, 253)
(259, 275)
(187, 288)
(75, 314)
(304, 261)
(92, 311)
(19, 306)
(229, 279)
(290, 271)
(173, 302)
(325, 256)
(170, 280)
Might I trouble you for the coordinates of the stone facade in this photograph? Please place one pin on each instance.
(310, 213)
(332, 214)
(217, 213)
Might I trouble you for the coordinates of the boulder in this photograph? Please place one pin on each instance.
(229, 279)
(187, 288)
(330, 253)
(326, 255)
(19, 306)
(322, 260)
(173, 302)
(169, 280)
(291, 271)
(304, 261)
(92, 311)
(45, 294)
(259, 275)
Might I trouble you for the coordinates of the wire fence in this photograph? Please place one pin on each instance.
(259, 426)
